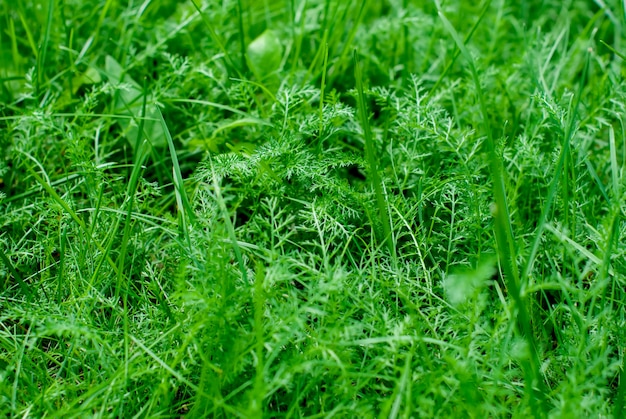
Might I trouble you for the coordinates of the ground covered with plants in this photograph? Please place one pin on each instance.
(312, 208)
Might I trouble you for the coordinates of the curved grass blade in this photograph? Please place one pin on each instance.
(184, 207)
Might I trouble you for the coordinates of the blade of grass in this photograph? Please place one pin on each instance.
(372, 160)
(504, 237)
(613, 50)
(560, 167)
(38, 190)
(615, 170)
(613, 238)
(322, 92)
(43, 48)
(18, 367)
(620, 398)
(343, 56)
(228, 108)
(467, 38)
(15, 53)
(139, 158)
(218, 40)
(230, 228)
(324, 30)
(297, 36)
(29, 34)
(141, 154)
(103, 14)
(242, 38)
(256, 408)
(184, 207)
(596, 178)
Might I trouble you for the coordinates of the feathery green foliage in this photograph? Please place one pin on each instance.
(220, 209)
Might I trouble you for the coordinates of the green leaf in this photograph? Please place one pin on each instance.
(265, 54)
(464, 286)
(128, 103)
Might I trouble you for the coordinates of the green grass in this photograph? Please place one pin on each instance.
(312, 208)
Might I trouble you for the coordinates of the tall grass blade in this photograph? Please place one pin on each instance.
(184, 207)
(230, 228)
(372, 160)
(259, 308)
(504, 237)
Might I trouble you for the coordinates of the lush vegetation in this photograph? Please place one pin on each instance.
(312, 208)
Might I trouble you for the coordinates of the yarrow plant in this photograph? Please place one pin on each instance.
(312, 209)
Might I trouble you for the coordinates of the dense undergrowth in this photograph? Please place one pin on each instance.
(312, 208)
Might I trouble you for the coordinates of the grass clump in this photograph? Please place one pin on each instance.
(317, 208)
